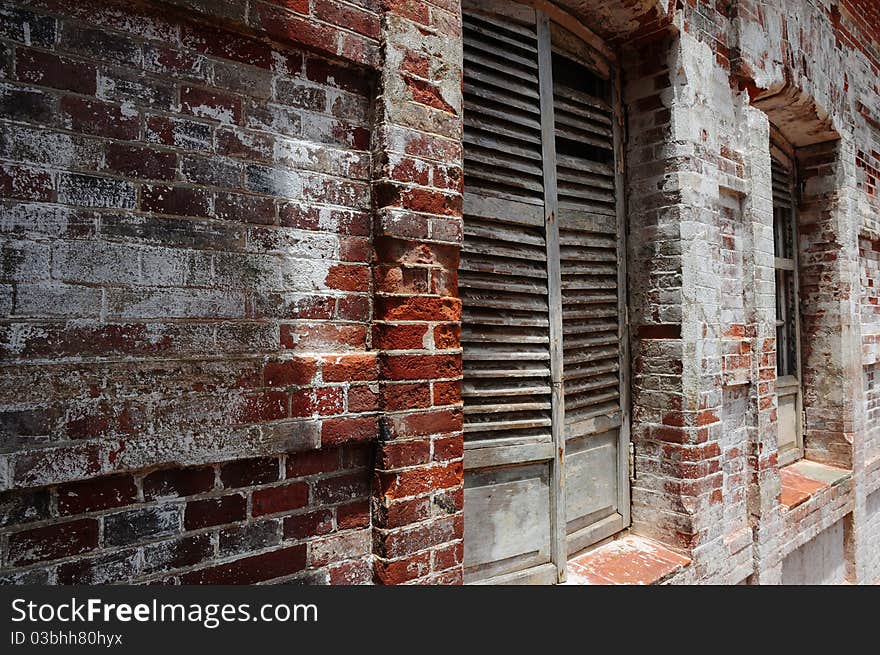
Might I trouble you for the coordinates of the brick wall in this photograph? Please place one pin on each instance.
(302, 517)
(229, 324)
(185, 280)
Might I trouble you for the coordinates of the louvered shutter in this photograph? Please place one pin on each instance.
(789, 405)
(539, 282)
(503, 283)
(593, 304)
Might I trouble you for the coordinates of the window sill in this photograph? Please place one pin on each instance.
(804, 479)
(630, 560)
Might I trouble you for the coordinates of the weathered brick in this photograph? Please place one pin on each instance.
(90, 496)
(141, 524)
(53, 541)
(249, 570)
(177, 553)
(215, 105)
(56, 72)
(249, 472)
(280, 499)
(171, 483)
(214, 511)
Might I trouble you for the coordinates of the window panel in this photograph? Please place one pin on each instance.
(540, 272)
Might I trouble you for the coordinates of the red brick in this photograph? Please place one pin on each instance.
(97, 494)
(25, 183)
(206, 103)
(350, 368)
(357, 455)
(143, 163)
(447, 393)
(397, 454)
(290, 372)
(249, 570)
(329, 401)
(249, 472)
(263, 406)
(177, 200)
(52, 542)
(323, 337)
(226, 45)
(280, 499)
(325, 460)
(362, 399)
(302, 403)
(414, 10)
(404, 512)
(406, 541)
(100, 118)
(57, 72)
(346, 430)
(421, 367)
(353, 308)
(308, 525)
(346, 16)
(353, 515)
(284, 26)
(425, 93)
(214, 511)
(447, 448)
(178, 482)
(347, 78)
(399, 337)
(417, 64)
(416, 481)
(447, 337)
(400, 571)
(428, 422)
(405, 396)
(356, 572)
(348, 277)
(342, 488)
(448, 556)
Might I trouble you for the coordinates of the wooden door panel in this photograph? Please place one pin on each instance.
(507, 521)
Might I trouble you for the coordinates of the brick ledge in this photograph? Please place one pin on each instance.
(804, 479)
(630, 560)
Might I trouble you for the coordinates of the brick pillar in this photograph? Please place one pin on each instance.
(764, 510)
(418, 494)
(675, 297)
(830, 292)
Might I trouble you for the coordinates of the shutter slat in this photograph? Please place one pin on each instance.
(503, 266)
(487, 391)
(500, 26)
(478, 36)
(504, 84)
(497, 94)
(494, 62)
(581, 98)
(473, 105)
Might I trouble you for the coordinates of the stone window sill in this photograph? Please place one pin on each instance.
(804, 479)
(630, 560)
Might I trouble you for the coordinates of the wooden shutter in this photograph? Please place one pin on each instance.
(788, 357)
(593, 301)
(540, 285)
(503, 283)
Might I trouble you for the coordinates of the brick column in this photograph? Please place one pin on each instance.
(764, 510)
(418, 494)
(830, 294)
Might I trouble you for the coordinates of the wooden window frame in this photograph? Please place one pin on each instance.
(478, 454)
(789, 384)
